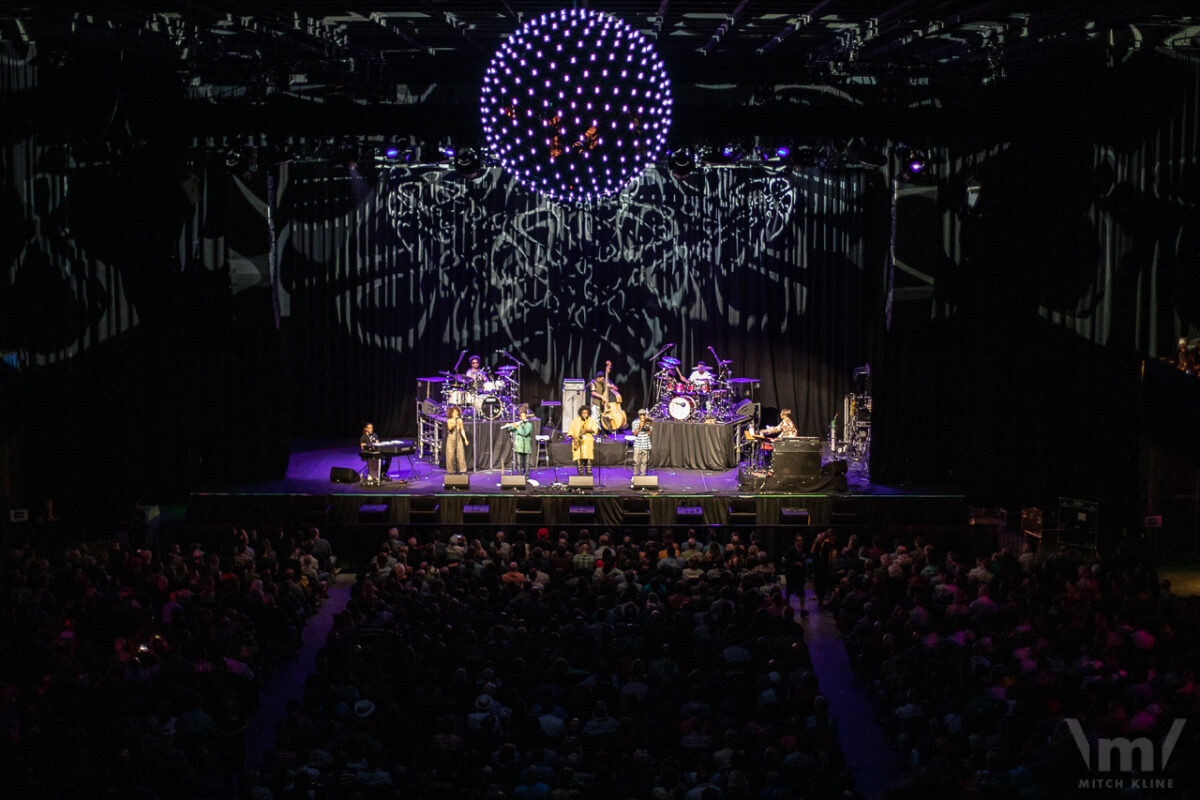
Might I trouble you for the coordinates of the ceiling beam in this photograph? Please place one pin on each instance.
(794, 24)
(723, 28)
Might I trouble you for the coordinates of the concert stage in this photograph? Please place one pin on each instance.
(703, 499)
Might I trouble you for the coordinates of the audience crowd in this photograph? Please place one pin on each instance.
(981, 668)
(578, 666)
(564, 667)
(127, 673)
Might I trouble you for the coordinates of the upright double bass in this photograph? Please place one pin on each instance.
(612, 417)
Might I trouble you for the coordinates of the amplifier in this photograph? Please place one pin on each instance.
(574, 397)
(798, 444)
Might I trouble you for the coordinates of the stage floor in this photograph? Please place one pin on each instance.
(351, 512)
(311, 462)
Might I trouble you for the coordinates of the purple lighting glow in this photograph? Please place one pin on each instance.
(566, 145)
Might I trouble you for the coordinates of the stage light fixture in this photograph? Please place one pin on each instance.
(468, 163)
(915, 161)
(783, 151)
(576, 104)
(681, 163)
(392, 152)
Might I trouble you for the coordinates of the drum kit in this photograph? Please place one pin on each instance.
(491, 394)
(709, 401)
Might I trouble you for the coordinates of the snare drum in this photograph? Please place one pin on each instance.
(681, 407)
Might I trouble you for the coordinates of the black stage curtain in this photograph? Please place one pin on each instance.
(1017, 321)
(387, 277)
(140, 349)
(690, 445)
(608, 452)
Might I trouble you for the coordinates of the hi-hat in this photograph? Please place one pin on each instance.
(743, 380)
(669, 361)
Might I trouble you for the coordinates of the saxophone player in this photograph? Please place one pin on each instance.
(583, 432)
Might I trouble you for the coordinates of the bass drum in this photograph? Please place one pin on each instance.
(681, 407)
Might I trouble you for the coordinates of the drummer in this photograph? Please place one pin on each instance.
(476, 374)
(700, 374)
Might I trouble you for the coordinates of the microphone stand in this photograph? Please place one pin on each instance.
(519, 364)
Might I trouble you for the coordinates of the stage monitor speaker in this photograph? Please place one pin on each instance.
(582, 482)
(456, 481)
(512, 482)
(343, 475)
(574, 397)
(643, 482)
(689, 515)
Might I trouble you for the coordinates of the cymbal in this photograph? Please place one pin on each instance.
(506, 368)
(669, 361)
(743, 380)
(432, 380)
(459, 378)
(725, 362)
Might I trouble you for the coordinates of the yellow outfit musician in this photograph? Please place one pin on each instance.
(583, 432)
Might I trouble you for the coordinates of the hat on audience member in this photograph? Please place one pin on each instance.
(364, 709)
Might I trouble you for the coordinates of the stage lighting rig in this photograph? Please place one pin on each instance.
(576, 104)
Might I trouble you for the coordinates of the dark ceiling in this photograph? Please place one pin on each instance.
(412, 56)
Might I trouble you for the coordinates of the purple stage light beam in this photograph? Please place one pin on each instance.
(576, 104)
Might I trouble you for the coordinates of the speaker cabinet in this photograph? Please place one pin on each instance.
(583, 482)
(581, 515)
(689, 515)
(343, 475)
(743, 511)
(423, 509)
(796, 464)
(477, 514)
(644, 482)
(459, 482)
(789, 515)
(512, 482)
(373, 513)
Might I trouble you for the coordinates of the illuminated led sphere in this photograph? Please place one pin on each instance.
(576, 104)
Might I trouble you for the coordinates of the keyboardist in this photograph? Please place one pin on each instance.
(368, 442)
